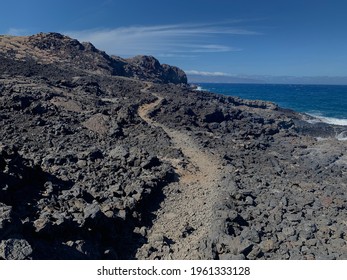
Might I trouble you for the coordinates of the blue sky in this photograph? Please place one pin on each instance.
(228, 37)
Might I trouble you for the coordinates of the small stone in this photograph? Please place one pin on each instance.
(311, 242)
(296, 256)
(119, 152)
(255, 253)
(143, 231)
(309, 212)
(249, 200)
(220, 248)
(42, 223)
(156, 238)
(241, 246)
(91, 211)
(130, 203)
(284, 201)
(305, 249)
(251, 234)
(294, 217)
(5, 215)
(109, 214)
(188, 230)
(337, 243)
(81, 163)
(267, 245)
(232, 215)
(122, 214)
(323, 256)
(70, 243)
(308, 230)
(310, 257)
(288, 231)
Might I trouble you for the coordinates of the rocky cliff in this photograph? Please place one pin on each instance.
(110, 158)
(53, 50)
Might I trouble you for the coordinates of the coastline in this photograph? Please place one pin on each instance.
(316, 117)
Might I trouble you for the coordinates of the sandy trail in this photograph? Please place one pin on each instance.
(185, 216)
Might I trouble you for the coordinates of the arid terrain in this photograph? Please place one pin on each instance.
(109, 158)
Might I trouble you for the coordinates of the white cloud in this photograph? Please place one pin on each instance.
(16, 32)
(209, 48)
(176, 55)
(204, 73)
(160, 39)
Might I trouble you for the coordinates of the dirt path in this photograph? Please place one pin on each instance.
(184, 219)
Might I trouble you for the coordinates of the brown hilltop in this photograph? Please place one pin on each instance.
(63, 52)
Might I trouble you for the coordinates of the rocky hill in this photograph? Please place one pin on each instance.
(40, 52)
(110, 158)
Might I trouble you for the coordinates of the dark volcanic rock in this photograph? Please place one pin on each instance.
(149, 68)
(15, 249)
(281, 183)
(81, 173)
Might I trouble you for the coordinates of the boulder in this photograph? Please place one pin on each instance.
(15, 249)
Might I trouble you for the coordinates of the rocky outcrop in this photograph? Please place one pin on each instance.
(149, 68)
(53, 50)
(75, 173)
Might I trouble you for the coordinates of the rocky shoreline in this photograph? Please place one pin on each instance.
(107, 158)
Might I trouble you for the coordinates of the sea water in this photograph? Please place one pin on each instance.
(327, 103)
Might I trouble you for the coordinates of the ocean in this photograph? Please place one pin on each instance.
(325, 102)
